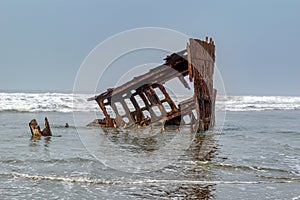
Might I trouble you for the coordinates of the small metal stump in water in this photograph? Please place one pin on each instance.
(36, 131)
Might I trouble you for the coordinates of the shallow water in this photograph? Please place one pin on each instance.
(255, 156)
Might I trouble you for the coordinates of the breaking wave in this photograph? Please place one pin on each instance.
(46, 102)
(145, 181)
(257, 103)
(60, 102)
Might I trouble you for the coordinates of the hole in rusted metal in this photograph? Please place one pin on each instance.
(126, 120)
(120, 108)
(187, 119)
(194, 113)
(110, 111)
(159, 93)
(129, 105)
(156, 110)
(146, 114)
(140, 101)
(167, 106)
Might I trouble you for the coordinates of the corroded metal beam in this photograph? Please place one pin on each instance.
(141, 104)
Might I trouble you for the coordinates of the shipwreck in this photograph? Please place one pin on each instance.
(137, 103)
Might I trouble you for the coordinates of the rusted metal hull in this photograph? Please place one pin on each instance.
(36, 131)
(137, 102)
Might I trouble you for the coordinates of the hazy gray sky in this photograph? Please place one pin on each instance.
(43, 43)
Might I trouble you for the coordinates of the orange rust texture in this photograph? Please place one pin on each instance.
(202, 57)
(197, 62)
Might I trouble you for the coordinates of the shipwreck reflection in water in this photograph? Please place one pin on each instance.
(187, 168)
(203, 149)
(192, 191)
(147, 139)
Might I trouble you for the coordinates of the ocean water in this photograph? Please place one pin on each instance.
(255, 154)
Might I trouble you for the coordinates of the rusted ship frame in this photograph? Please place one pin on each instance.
(198, 112)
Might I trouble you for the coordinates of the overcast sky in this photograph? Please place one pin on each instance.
(43, 43)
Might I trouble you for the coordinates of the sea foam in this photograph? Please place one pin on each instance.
(257, 103)
(45, 102)
(60, 102)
